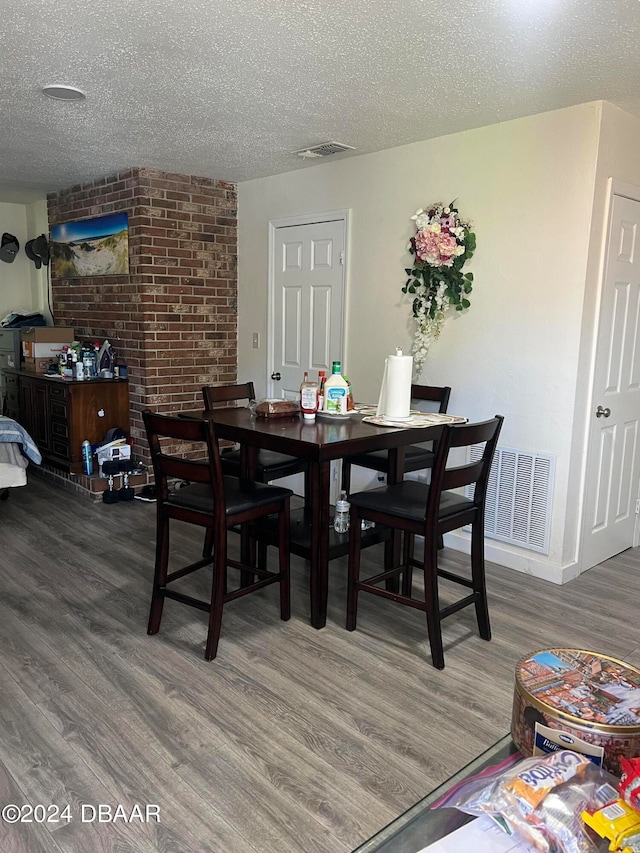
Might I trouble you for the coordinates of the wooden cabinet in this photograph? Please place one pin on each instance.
(60, 414)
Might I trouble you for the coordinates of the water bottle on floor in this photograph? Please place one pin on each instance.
(341, 518)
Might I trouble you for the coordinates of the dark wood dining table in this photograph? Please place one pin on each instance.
(320, 442)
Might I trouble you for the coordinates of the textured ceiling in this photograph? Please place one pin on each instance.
(229, 89)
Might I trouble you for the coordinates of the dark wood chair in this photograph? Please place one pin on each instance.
(431, 510)
(417, 457)
(270, 465)
(217, 503)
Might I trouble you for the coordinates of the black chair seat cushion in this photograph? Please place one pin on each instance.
(270, 465)
(416, 457)
(239, 496)
(408, 500)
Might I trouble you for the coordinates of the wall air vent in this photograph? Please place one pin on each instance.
(323, 150)
(518, 508)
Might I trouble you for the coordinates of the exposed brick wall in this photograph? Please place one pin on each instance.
(173, 319)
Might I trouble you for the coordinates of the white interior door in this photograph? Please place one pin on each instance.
(613, 460)
(308, 302)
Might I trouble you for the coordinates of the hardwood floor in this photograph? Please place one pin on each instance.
(292, 739)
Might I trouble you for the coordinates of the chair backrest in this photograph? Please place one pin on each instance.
(216, 395)
(165, 435)
(434, 393)
(468, 473)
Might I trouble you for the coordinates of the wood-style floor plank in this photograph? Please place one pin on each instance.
(292, 739)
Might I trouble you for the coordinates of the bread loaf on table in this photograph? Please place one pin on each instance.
(276, 408)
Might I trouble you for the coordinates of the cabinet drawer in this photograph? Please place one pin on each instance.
(60, 448)
(57, 392)
(58, 409)
(59, 429)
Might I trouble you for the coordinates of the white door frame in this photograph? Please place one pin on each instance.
(615, 187)
(288, 222)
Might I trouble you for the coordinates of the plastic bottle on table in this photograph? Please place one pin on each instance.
(336, 391)
(309, 398)
(322, 378)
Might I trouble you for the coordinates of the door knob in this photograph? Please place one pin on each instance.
(275, 375)
(602, 413)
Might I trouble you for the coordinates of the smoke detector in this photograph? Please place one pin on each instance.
(324, 149)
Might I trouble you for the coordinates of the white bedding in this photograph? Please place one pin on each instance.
(12, 475)
(13, 465)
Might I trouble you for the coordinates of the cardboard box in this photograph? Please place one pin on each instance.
(37, 365)
(115, 450)
(41, 341)
(30, 349)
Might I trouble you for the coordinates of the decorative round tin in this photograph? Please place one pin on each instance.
(588, 695)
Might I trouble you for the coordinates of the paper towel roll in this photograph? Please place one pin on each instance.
(395, 391)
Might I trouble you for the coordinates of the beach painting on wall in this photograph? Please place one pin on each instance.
(90, 247)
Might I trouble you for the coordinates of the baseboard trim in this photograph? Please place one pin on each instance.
(527, 563)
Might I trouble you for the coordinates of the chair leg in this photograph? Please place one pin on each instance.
(392, 559)
(434, 628)
(247, 554)
(407, 574)
(346, 476)
(262, 555)
(218, 586)
(207, 550)
(353, 572)
(284, 560)
(478, 578)
(159, 575)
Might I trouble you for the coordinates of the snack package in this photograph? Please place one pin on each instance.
(630, 782)
(542, 798)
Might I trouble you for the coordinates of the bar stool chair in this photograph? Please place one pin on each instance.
(430, 511)
(270, 465)
(417, 457)
(217, 503)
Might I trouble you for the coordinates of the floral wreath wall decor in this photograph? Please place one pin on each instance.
(442, 244)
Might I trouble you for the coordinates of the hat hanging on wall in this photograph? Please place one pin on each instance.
(9, 248)
(28, 248)
(37, 250)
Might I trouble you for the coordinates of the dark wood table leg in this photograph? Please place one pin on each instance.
(320, 477)
(392, 545)
(248, 456)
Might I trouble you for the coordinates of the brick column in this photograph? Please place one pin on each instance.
(173, 318)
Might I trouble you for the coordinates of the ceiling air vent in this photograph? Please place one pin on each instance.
(323, 150)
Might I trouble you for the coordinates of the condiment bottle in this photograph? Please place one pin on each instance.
(322, 377)
(350, 404)
(309, 397)
(336, 391)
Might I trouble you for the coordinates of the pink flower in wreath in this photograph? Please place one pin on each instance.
(436, 248)
(448, 246)
(427, 246)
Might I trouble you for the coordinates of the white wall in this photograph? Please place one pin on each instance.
(21, 285)
(528, 187)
